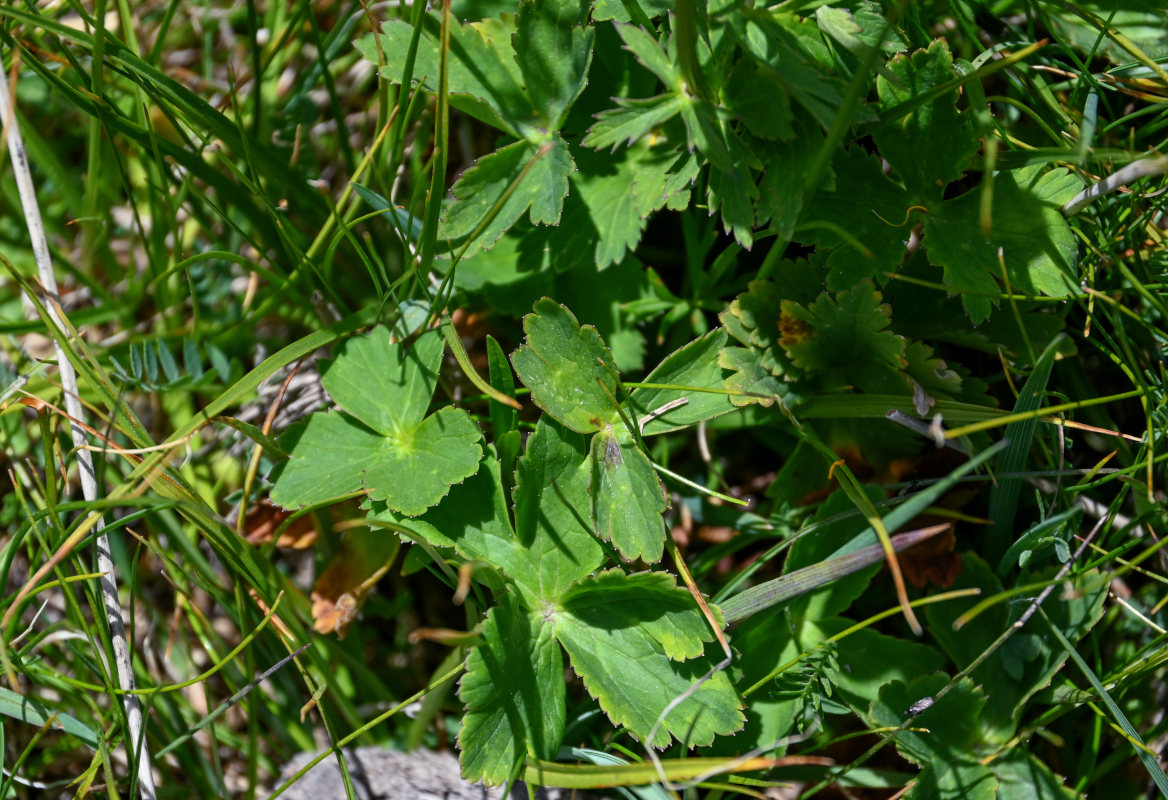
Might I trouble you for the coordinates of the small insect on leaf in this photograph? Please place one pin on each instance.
(919, 707)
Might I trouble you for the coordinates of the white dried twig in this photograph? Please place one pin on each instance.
(105, 564)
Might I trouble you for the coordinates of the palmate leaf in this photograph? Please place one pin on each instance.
(931, 375)
(619, 631)
(845, 341)
(663, 180)
(752, 379)
(651, 55)
(564, 365)
(514, 694)
(759, 371)
(383, 385)
(383, 444)
(552, 508)
(753, 316)
(651, 601)
(554, 546)
(734, 194)
(615, 626)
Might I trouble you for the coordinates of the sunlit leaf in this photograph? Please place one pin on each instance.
(568, 368)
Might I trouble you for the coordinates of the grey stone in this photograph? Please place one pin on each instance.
(381, 774)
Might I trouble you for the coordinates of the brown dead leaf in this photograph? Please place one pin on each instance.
(932, 561)
(341, 589)
(263, 519)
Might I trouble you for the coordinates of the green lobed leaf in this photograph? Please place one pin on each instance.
(651, 55)
(473, 520)
(514, 693)
(383, 384)
(518, 271)
(762, 367)
(631, 120)
(714, 139)
(627, 670)
(734, 194)
(539, 173)
(553, 48)
(334, 455)
(752, 380)
(627, 497)
(694, 365)
(564, 365)
(600, 223)
(932, 146)
(930, 375)
(753, 316)
(951, 721)
(860, 28)
(484, 79)
(552, 546)
(1038, 247)
(845, 341)
(663, 180)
